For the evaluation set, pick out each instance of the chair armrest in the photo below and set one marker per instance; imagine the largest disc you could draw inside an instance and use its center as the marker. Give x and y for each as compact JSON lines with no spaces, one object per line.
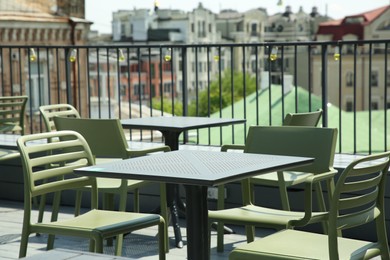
{"x":226,"y":147}
{"x":142,"y":152}
{"x":308,"y":200}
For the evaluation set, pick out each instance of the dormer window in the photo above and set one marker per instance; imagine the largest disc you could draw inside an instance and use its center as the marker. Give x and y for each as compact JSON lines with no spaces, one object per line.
{"x":354,"y":20}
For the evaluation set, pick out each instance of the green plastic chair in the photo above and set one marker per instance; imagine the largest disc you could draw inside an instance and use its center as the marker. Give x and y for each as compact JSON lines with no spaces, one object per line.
{"x":48,"y":168}
{"x":287,"y":178}
{"x":357,"y":200}
{"x":107,"y":140}
{"x":48,"y":112}
{"x":12,"y":112}
{"x":318,"y":143}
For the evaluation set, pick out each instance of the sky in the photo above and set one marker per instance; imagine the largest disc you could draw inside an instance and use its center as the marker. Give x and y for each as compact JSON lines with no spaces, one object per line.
{"x":100,"y":11}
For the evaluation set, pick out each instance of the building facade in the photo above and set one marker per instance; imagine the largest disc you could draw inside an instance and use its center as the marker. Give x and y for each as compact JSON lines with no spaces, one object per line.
{"x":368,"y":60}
{"x":33,"y":24}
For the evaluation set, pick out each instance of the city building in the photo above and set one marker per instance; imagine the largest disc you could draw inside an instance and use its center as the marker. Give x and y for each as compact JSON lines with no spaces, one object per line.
{"x":25,"y":24}
{"x":368,"y":60}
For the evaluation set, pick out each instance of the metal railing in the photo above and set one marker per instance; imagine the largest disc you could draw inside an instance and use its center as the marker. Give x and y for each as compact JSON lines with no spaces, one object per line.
{"x":260,"y":82}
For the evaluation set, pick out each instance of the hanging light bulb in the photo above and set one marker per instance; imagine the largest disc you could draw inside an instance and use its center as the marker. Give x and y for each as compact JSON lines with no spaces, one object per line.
{"x":274,"y":54}
{"x":72,"y":57}
{"x":156,"y":5}
{"x":216,"y":56}
{"x":33,"y":56}
{"x":167,"y":56}
{"x":336,"y":54}
{"x":121,"y":56}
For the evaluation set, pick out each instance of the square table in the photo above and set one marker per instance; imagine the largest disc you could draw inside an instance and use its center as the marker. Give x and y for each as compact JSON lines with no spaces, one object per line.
{"x":171,"y":128}
{"x":196,"y":170}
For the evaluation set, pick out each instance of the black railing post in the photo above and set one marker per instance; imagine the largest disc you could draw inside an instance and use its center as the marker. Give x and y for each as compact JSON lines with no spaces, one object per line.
{"x":185,"y":89}
{"x":68,"y":76}
{"x":184,"y":76}
{"x":324,"y":84}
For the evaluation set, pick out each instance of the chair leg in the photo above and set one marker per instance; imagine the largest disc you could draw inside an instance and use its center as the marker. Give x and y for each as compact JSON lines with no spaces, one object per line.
{"x":283,"y":192}
{"x":321,"y":204}
{"x":164,"y":213}
{"x":250,"y":233}
{"x":54,"y":217}
{"x":118,"y":245}
{"x":77,"y":205}
{"x":220,"y":225}
{"x":23,"y":244}
{"x":136,"y":200}
{"x":162,"y":242}
{"x":108,"y":204}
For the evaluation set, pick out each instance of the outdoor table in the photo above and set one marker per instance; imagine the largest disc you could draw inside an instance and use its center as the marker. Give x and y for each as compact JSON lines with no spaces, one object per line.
{"x":196,"y":170}
{"x":171,"y":128}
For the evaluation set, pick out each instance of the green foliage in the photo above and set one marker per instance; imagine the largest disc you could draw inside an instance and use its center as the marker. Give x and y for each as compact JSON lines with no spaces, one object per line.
{"x":220,"y":94}
{"x":167,"y":106}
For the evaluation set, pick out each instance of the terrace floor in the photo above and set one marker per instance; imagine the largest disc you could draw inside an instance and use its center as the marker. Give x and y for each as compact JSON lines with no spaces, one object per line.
{"x":139,"y":245}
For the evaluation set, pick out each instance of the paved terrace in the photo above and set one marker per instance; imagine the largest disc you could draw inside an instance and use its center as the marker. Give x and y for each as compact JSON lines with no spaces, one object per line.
{"x":140,"y":245}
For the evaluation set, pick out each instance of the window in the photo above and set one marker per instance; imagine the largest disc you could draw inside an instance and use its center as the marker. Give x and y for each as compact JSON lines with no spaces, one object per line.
{"x":253,"y":29}
{"x":349,"y":106}
{"x":374,"y":105}
{"x":349,"y":79}
{"x":180,"y":65}
{"x":200,"y":67}
{"x":167,"y":87}
{"x":192,"y":27}
{"x":152,"y":70}
{"x":210,"y":27}
{"x":139,"y":91}
{"x":39,"y":95}
{"x":374,"y":78}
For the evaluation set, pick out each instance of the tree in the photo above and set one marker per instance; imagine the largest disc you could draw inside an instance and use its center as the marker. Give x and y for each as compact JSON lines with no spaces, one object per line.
{"x":221,"y":94}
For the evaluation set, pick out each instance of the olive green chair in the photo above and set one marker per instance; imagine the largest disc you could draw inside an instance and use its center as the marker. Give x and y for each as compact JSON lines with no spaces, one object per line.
{"x":285,"y":179}
{"x":48,"y":112}
{"x":48,"y":168}
{"x":318,"y":143}
{"x":12,"y":112}
{"x":107,"y":142}
{"x":357,"y":200}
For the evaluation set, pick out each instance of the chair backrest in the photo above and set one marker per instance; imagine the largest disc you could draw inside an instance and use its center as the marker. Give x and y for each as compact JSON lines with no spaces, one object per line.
{"x":359,"y":198}
{"x":48,"y":112}
{"x":303,"y":119}
{"x":104,"y":136}
{"x":12,"y":111}
{"x":48,"y":166}
{"x":315,"y":142}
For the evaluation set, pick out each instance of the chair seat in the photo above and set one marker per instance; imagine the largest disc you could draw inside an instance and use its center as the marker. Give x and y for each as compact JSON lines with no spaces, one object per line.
{"x":109,"y":183}
{"x":294,"y":244}
{"x":103,"y":221}
{"x":7,"y":154}
{"x":253,"y":215}
{"x":290,"y":178}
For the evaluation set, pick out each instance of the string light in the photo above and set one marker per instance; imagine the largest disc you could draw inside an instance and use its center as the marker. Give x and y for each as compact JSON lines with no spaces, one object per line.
{"x":72,"y":57}
{"x":167,"y":56}
{"x":274,"y":54}
{"x":336,"y":54}
{"x":33,"y":56}
{"x":121,"y":56}
{"x":216,"y":55}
